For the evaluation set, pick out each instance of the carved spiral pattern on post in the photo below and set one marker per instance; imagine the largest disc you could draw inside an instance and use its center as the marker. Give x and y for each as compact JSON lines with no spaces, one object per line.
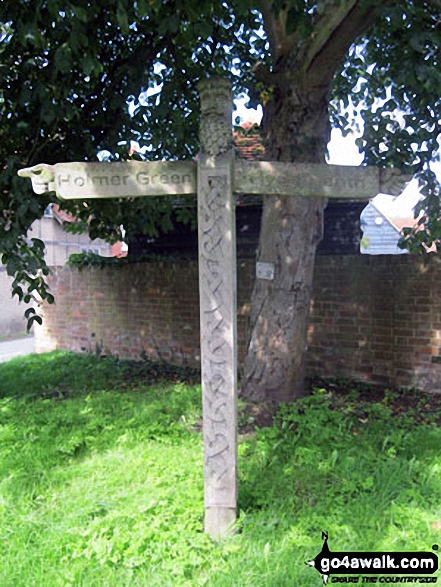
{"x":217,"y":354}
{"x":214,"y":137}
{"x":215,"y":127}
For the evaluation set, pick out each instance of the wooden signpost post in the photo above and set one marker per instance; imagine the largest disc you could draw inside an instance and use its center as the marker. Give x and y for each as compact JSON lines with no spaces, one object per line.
{"x":215,"y":178}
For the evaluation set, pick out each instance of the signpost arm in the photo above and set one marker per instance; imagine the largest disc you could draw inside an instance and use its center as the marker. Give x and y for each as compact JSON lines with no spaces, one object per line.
{"x":217,"y":287}
{"x":217,"y":255}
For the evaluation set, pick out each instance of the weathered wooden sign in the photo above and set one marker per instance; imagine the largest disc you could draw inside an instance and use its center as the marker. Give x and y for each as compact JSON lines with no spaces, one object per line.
{"x":285,"y":179}
{"x":215,"y":178}
{"x":73,"y":181}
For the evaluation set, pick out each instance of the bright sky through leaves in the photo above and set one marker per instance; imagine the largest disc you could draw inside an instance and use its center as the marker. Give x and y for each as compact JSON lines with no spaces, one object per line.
{"x":343,"y":151}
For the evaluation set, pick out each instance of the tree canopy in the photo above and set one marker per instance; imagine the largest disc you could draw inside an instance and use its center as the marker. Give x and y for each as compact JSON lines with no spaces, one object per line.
{"x":79,"y":79}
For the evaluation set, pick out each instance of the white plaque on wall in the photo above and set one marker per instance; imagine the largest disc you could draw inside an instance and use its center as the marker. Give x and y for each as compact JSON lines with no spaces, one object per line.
{"x":265,"y":271}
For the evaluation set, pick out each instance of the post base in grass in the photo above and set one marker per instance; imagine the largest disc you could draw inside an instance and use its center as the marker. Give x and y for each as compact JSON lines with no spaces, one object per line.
{"x":219,"y":522}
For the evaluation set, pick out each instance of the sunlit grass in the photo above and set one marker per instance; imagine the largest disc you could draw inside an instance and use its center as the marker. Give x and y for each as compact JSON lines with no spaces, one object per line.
{"x":101,"y":482}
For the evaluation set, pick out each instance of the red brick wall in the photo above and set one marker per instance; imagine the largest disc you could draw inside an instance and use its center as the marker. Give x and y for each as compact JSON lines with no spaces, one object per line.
{"x":377,"y":319}
{"x":372,"y":318}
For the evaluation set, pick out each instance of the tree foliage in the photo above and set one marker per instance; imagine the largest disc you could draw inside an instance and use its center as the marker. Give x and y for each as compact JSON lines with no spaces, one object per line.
{"x":393,"y":76}
{"x":76,"y":81}
{"x":79,"y":79}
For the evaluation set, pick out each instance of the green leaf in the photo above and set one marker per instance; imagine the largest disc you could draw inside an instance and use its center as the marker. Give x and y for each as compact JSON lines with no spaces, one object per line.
{"x":78,"y":39}
{"x":31,"y":321}
{"x":17,"y":291}
{"x":80,"y":13}
{"x":203,"y":29}
{"x":122,"y":18}
{"x":29,"y":312}
{"x":63,"y":58}
{"x":143,"y":7}
{"x":91,"y":65}
{"x":38,"y":244}
{"x":293,"y":19}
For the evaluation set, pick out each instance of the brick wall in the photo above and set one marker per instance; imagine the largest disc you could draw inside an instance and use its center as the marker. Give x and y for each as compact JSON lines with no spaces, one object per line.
{"x":372,"y":318}
{"x":378,"y":319}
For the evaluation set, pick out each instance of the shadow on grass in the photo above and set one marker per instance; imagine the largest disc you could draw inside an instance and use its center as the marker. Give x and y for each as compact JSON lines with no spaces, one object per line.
{"x":62,"y":374}
{"x":120,"y":447}
{"x":320,"y":467}
{"x":61,"y":406}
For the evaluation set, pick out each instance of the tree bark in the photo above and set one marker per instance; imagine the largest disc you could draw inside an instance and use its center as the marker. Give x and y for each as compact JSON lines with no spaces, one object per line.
{"x":296,"y":128}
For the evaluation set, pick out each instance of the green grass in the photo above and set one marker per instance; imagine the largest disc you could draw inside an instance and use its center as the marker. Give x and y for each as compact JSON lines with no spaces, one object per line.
{"x":101,"y":479}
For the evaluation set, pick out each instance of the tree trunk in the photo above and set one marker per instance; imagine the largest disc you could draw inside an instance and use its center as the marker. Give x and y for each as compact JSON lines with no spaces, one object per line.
{"x":296,"y":128}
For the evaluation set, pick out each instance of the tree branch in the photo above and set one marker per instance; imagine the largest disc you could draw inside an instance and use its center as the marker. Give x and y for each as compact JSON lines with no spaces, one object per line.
{"x":269,"y":25}
{"x":335,"y":32}
{"x":275,"y":28}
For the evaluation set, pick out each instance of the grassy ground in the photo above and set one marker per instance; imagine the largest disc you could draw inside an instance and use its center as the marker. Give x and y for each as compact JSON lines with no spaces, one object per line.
{"x":101,"y":478}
